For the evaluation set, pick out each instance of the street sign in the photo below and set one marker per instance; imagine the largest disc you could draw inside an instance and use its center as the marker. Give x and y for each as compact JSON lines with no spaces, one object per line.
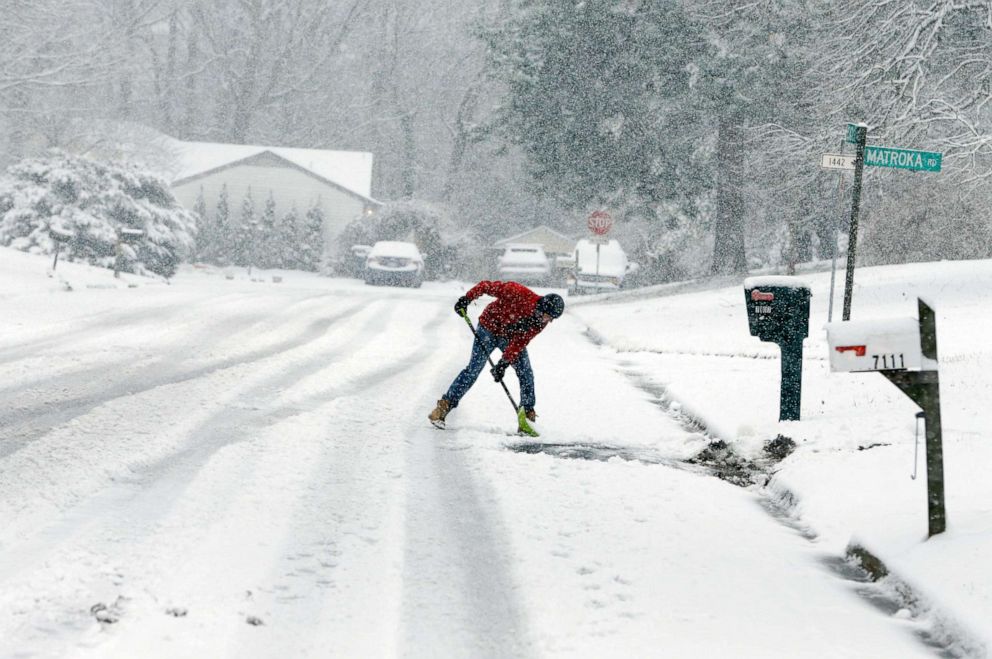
{"x":919,"y":161}
{"x":599,"y":222}
{"x":837,"y":161}
{"x":853,"y":131}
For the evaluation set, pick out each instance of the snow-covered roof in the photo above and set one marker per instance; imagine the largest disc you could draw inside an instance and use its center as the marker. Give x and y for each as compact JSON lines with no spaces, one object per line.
{"x":351,"y":170}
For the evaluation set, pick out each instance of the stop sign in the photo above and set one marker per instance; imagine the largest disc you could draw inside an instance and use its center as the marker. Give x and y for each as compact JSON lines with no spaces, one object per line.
{"x":600,"y":222}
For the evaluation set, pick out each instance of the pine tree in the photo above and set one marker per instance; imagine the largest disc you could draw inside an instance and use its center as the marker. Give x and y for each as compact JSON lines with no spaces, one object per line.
{"x":266,"y":248}
{"x":205,"y":233}
{"x":311,"y":243}
{"x":222,"y":244}
{"x":596,"y":99}
{"x":287,"y":241}
{"x":244,"y":235}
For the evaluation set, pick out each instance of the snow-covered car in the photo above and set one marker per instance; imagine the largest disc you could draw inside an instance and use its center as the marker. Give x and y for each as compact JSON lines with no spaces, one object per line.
{"x":599,"y":267}
{"x":525,"y":263}
{"x":394,"y":263}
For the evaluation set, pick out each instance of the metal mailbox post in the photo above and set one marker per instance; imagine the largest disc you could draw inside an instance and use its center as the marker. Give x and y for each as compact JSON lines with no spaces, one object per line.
{"x":904,"y":350}
{"x":59,"y":236}
{"x":778,"y":311}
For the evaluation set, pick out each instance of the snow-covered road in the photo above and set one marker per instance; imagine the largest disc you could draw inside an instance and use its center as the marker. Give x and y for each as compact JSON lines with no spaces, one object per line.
{"x":223,"y":468}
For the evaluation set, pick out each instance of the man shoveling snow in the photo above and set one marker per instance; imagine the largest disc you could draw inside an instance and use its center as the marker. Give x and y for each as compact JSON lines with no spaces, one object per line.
{"x":509,"y":323}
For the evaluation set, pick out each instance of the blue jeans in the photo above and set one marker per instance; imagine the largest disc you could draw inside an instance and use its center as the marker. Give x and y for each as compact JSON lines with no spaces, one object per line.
{"x":485,"y":343}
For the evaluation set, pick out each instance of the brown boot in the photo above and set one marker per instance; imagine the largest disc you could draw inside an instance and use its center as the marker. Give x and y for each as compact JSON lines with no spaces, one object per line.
{"x":439,"y":413}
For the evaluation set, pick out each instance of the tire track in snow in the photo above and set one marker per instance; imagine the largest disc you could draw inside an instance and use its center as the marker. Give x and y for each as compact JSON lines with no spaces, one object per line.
{"x":241,"y":422}
{"x":459,"y":597}
{"x":103,"y":321}
{"x":453,"y":531}
{"x":162,"y":480}
{"x":336,"y":573}
{"x":22,"y":424}
{"x":131,"y":512}
{"x":97,"y":325}
{"x":235,"y":425}
{"x":148,"y":492}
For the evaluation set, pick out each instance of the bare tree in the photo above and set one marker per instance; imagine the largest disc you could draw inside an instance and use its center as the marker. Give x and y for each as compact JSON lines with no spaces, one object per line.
{"x":266,"y":52}
{"x":917,"y":71}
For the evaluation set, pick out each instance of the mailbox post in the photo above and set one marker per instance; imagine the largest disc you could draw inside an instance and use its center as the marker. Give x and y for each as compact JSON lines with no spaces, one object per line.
{"x":778,"y":311}
{"x":904,"y":350}
{"x":59,"y":236}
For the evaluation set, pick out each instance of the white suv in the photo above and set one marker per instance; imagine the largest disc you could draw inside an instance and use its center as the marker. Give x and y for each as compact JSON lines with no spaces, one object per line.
{"x":525,"y":264}
{"x":394,"y":263}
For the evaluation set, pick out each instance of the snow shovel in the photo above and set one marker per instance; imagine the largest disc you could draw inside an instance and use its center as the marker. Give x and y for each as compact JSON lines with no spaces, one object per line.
{"x":523,"y":426}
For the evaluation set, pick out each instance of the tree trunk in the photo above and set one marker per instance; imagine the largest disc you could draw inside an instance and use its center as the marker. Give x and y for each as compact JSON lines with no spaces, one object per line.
{"x":125,"y":99}
{"x":18,"y":121}
{"x":804,"y":227}
{"x":728,"y":245}
{"x":191,"y":99}
{"x":460,"y":143}
{"x":409,"y":166}
{"x":168,"y":87}
{"x":246,"y":85}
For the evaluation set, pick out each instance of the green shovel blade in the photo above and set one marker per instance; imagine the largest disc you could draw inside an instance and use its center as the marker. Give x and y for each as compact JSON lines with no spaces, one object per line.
{"x":523,"y":426}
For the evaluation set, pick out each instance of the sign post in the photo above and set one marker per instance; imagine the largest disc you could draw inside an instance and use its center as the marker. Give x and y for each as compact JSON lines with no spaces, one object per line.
{"x":59,"y":236}
{"x":860,"y":133}
{"x":599,"y":223}
{"x":843,"y":162}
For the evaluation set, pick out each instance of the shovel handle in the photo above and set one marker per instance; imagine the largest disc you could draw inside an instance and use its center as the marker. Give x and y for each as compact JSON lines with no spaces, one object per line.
{"x":464,"y":314}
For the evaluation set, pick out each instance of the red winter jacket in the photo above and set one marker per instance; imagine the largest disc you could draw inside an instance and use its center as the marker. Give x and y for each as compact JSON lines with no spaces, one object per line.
{"x":508,"y":317}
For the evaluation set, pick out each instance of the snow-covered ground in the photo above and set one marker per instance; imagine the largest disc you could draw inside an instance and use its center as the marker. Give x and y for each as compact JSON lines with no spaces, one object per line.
{"x":849,"y":480}
{"x":224,"y":467}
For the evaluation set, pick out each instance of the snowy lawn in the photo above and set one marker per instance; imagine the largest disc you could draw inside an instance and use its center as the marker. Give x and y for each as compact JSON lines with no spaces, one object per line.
{"x":851,"y":472}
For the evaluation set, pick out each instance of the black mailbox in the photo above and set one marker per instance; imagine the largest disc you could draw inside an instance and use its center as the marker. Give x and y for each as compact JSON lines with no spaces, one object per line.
{"x":775,"y":312}
{"x":778,"y":311}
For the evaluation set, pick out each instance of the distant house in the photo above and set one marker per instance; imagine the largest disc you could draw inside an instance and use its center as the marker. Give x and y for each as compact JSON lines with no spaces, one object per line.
{"x":339,"y":181}
{"x":555,"y":244}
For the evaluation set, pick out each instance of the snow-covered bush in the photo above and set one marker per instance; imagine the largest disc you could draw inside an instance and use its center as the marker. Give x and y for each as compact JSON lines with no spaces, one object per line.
{"x":668,"y":244}
{"x":93,"y":201}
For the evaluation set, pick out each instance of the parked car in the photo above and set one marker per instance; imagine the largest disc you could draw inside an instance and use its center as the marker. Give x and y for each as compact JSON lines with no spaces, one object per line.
{"x":394,"y":263}
{"x":525,"y":263}
{"x":598,"y":272}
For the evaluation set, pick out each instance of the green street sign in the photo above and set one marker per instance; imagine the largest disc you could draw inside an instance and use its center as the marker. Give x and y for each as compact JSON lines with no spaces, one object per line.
{"x":852,"y":132}
{"x":918,"y":161}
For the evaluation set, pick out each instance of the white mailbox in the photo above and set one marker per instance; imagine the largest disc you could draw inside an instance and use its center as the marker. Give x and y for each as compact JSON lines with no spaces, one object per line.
{"x":877,"y":345}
